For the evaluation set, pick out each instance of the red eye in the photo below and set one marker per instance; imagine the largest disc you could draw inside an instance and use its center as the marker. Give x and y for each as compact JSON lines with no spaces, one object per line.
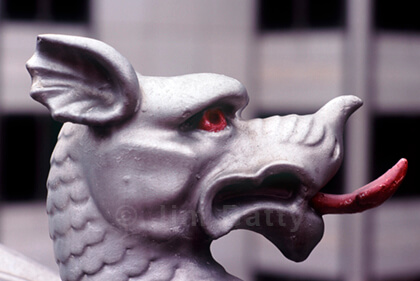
{"x":213,"y":120}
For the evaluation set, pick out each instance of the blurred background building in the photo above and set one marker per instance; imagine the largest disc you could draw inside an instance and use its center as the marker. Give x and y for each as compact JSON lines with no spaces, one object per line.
{"x":293,"y":56}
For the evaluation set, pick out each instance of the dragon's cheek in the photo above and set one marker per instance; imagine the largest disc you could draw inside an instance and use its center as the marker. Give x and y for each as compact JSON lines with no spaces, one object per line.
{"x":127,"y":188}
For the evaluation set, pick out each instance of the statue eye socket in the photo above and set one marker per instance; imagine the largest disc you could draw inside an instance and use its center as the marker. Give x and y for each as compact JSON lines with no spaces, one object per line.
{"x":213,"y":120}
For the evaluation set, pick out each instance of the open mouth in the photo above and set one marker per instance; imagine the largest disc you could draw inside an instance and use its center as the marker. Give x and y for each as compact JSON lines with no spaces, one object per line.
{"x":281,"y":189}
{"x":275,"y":188}
{"x":274,"y":191}
{"x":281,"y":204}
{"x":272,"y":202}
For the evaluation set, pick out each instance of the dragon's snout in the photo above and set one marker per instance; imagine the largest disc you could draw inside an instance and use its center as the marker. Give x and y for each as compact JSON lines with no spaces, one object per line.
{"x":281,"y":198}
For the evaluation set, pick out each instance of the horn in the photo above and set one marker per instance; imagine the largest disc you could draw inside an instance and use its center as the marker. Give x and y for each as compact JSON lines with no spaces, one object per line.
{"x":338,"y":110}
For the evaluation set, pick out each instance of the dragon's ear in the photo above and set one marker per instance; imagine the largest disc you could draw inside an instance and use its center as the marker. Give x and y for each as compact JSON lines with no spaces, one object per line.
{"x":83,"y":80}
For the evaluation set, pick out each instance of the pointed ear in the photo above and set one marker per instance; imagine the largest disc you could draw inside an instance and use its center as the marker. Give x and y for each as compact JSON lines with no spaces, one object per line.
{"x":83,"y":80}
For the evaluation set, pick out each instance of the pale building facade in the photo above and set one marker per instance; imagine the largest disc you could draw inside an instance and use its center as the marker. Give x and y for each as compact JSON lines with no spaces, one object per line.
{"x":291,"y":62}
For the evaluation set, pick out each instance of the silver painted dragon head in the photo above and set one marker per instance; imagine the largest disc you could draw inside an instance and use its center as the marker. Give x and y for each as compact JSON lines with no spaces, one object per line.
{"x":148,"y":171}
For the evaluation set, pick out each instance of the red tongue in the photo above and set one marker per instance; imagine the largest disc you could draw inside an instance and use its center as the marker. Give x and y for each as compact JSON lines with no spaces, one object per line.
{"x":366,"y":197}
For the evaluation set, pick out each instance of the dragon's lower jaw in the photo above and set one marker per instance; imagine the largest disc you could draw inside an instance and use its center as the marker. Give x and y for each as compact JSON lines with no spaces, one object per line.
{"x":366,"y":197}
{"x":295,"y":231}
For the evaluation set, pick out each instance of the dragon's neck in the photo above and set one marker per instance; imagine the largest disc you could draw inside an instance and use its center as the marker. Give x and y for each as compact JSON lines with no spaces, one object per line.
{"x":98,"y":251}
{"x":180,"y":260}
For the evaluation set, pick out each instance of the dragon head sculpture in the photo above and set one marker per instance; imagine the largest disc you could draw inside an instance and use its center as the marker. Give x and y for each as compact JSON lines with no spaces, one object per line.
{"x":148,"y":171}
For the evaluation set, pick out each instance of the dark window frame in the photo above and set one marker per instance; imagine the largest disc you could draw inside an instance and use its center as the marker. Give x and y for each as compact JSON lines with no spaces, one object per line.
{"x":27,"y":142}
{"x":300,"y":15}
{"x":390,"y":16}
{"x":57,"y":11}
{"x":395,"y":136}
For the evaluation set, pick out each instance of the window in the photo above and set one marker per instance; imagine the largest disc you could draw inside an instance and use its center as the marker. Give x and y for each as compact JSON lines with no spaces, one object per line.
{"x":397,"y":15}
{"x":26,"y":146}
{"x":70,"y":11}
{"x":300,"y":14}
{"x":396,"y":137}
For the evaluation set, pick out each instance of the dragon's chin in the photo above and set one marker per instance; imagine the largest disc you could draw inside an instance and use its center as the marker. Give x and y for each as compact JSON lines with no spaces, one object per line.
{"x":295,"y":229}
{"x":296,"y":241}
